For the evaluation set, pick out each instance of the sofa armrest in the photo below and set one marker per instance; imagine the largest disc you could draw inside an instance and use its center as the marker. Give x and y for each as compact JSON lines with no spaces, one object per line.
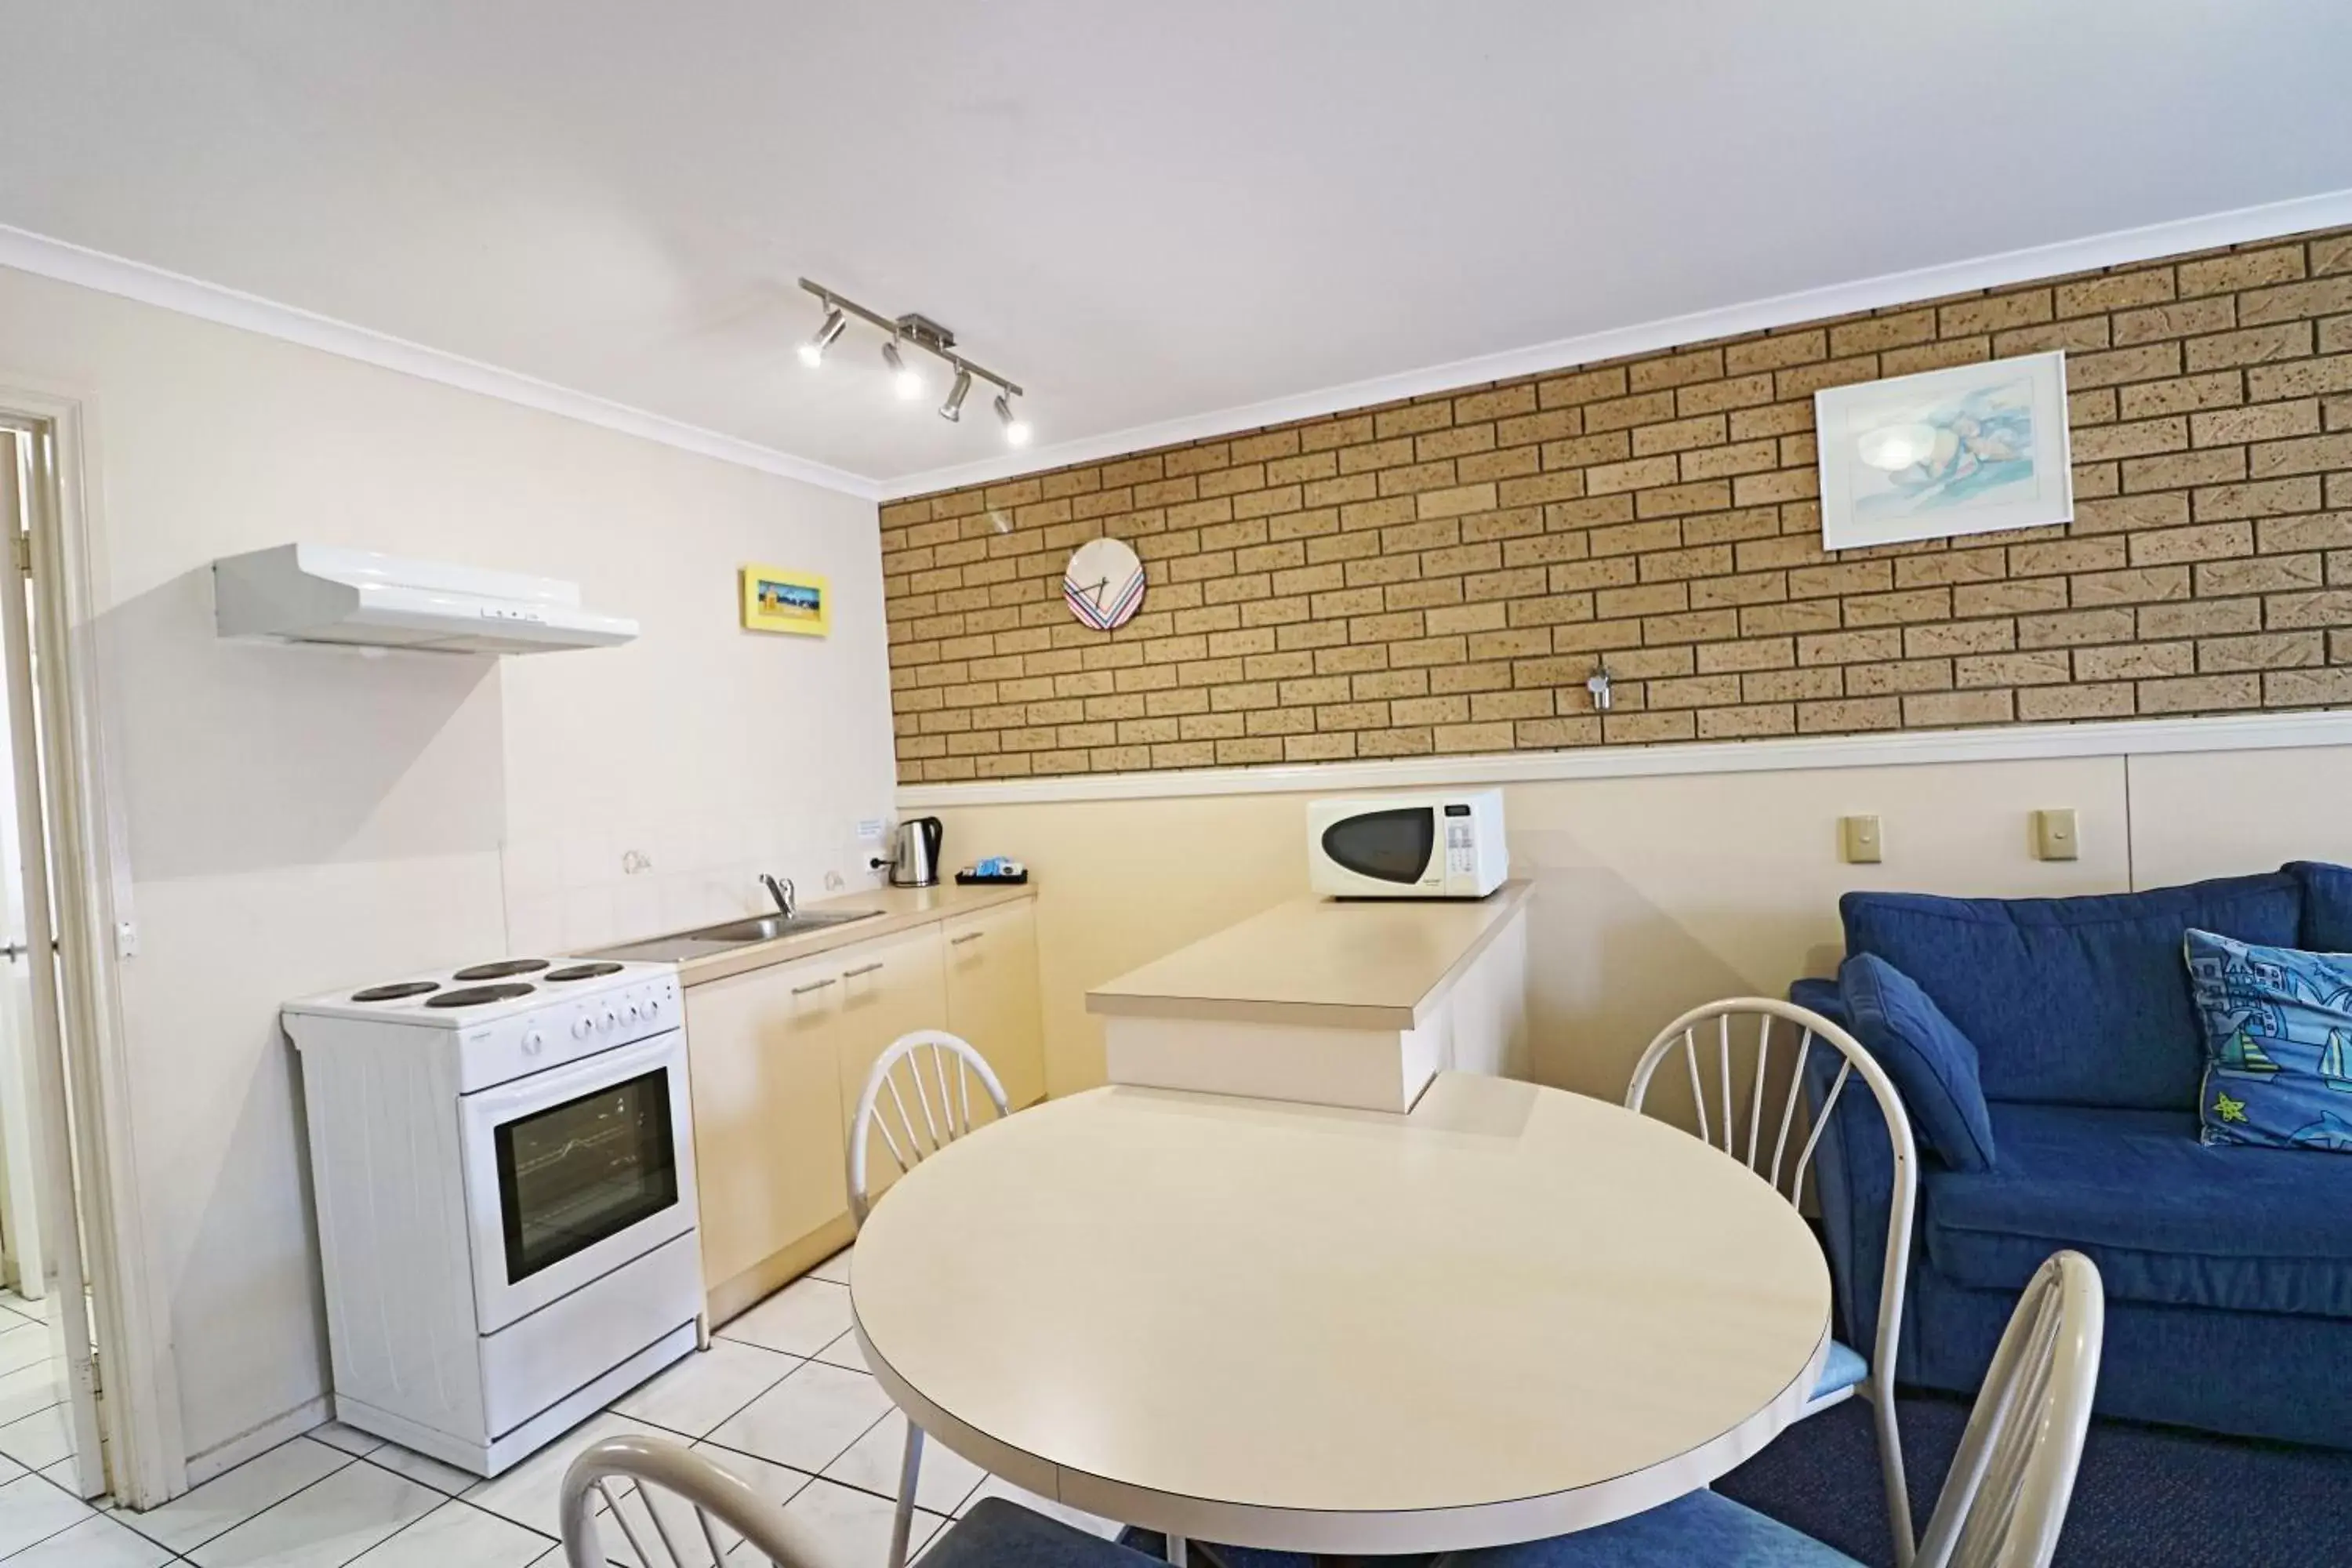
{"x":1853,"y":1178}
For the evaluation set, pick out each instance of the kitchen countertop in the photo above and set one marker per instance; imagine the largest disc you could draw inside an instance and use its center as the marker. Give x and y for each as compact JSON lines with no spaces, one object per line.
{"x":902,"y":909}
{"x":1357,"y":964}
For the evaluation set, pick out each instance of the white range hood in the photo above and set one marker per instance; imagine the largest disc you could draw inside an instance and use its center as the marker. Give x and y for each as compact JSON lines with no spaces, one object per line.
{"x":316,"y":593}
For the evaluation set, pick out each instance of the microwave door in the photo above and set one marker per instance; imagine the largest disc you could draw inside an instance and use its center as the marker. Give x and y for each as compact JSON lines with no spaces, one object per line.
{"x":1395,"y":847}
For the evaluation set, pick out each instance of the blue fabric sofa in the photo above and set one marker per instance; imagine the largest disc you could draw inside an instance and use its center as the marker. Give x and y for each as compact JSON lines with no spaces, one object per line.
{"x":2229,"y":1270}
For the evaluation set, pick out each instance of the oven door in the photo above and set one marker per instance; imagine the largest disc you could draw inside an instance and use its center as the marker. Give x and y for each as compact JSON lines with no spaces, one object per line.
{"x":1378,"y":851}
{"x":571,"y":1173}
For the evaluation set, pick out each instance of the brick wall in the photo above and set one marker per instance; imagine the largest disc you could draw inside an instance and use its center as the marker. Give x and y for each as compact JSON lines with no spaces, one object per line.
{"x":1440,"y":575}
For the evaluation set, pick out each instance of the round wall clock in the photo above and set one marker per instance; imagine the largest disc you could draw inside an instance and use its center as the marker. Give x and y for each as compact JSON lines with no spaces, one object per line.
{"x":1103,"y":584}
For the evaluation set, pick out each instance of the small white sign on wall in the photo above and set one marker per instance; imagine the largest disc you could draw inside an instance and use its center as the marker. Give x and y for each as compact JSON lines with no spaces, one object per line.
{"x":1966,"y":450}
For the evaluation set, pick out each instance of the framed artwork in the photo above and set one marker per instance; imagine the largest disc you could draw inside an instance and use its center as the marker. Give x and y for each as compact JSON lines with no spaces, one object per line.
{"x":775,"y":600}
{"x":1965,"y":450}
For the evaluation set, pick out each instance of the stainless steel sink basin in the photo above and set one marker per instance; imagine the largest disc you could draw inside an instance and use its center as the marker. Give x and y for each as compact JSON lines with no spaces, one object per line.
{"x":768,"y":928}
{"x":705,"y":940}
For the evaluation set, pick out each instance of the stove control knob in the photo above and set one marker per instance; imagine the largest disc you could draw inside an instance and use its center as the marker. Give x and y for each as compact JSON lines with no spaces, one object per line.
{"x":630,"y":1012}
{"x":608,"y":1020}
{"x":581,"y":1026}
{"x":653,"y":1005}
{"x":533,"y":1042}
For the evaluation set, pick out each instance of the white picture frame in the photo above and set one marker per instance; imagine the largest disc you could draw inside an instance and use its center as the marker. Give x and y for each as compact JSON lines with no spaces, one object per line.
{"x":1971,"y":449}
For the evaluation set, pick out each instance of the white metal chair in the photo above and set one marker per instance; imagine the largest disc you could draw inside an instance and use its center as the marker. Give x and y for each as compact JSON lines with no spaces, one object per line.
{"x":2004,"y":1502}
{"x":673,"y":1508}
{"x":1845,"y":1372}
{"x":936,"y":1069}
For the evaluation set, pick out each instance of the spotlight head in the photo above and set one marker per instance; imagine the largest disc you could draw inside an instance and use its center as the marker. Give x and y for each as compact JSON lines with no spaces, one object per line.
{"x":905,"y":379}
{"x":1017,"y":430}
{"x":812,"y":350}
{"x":952,"y":409}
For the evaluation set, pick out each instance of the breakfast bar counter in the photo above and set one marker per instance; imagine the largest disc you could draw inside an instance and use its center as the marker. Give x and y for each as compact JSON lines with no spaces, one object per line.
{"x":1353,"y":1003}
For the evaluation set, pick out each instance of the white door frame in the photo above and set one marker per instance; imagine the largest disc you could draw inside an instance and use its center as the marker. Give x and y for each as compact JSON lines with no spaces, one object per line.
{"x":139,"y":1413}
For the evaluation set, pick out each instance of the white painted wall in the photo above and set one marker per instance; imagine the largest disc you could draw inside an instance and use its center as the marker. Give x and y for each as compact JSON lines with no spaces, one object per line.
{"x":304,"y":818}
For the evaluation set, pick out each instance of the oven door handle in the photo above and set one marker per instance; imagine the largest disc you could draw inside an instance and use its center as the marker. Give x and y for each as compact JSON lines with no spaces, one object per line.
{"x":538,"y":1090}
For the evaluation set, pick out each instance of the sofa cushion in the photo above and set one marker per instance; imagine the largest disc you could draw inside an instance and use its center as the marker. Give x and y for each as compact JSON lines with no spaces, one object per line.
{"x":2278,"y":1044}
{"x":1934,"y":1066}
{"x":2326,"y":905}
{"x":2073,"y":1001}
{"x":2166,"y":1218}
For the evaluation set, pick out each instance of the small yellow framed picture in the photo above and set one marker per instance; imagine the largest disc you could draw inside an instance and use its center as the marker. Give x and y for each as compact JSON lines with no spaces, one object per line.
{"x":775,"y":600}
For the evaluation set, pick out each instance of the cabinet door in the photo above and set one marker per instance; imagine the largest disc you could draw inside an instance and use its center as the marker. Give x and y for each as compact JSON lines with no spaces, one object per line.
{"x":889,"y":987}
{"x":761,"y":1050}
{"x":993,"y":994}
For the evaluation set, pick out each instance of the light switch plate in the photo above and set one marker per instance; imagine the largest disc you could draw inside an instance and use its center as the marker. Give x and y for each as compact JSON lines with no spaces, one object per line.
{"x":1860,"y":838}
{"x":2056,"y":836}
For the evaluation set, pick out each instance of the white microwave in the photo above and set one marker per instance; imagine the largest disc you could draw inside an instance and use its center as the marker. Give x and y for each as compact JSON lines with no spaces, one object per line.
{"x":1408,"y":846}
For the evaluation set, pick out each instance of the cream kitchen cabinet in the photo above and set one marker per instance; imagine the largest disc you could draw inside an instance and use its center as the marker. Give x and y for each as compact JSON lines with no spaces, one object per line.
{"x":777,"y":1054}
{"x":764,"y":1057}
{"x":889,"y":987}
{"x":991,"y":994}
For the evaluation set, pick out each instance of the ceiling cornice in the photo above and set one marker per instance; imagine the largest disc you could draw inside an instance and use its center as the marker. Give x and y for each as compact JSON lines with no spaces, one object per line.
{"x":67,"y":263}
{"x":2238,"y":226}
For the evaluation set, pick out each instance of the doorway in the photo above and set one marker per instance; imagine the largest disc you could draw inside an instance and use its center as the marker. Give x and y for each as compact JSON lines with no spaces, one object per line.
{"x":50,"y":1332}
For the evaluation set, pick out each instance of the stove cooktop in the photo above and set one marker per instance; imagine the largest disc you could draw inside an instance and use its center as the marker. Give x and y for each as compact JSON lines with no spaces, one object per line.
{"x":501,"y":988}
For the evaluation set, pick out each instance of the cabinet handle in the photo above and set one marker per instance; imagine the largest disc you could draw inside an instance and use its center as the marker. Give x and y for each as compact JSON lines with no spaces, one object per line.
{"x":811,"y":986}
{"x":861,"y":969}
{"x":967,"y":936}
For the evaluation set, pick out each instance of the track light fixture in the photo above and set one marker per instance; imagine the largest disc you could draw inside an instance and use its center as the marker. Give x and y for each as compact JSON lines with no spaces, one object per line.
{"x":952,"y":409}
{"x":1016,"y":429}
{"x":812,"y":350}
{"x":913,"y":330}
{"x":905,"y":379}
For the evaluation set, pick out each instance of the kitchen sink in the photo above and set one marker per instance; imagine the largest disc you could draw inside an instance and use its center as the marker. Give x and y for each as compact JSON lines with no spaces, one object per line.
{"x":705,"y":940}
{"x":768,"y":928}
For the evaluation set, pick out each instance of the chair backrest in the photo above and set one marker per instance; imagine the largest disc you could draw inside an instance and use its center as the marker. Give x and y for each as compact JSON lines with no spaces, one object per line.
{"x":2005,"y":1498}
{"x":1720,"y":1030}
{"x":673,"y":1507}
{"x":935,"y":1070}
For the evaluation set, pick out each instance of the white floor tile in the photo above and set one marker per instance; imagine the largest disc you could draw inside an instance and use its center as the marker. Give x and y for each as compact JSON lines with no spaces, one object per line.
{"x":61,"y":1474}
{"x":38,"y":1439}
{"x":325,"y":1525}
{"x":801,"y":1319}
{"x":228,"y":1500}
{"x":457,"y":1535}
{"x":24,"y":1345}
{"x":830,"y":1526}
{"x":32,"y":1511}
{"x":707,"y":1387}
{"x":808,"y":1420}
{"x":95,"y":1543}
{"x":424,"y":1467}
{"x":28,"y":1389}
{"x":997,"y":1486}
{"x":835,"y":1268}
{"x":871,"y":1462}
{"x":531,"y":1493}
{"x":349,"y":1439}
{"x":844,"y":1352}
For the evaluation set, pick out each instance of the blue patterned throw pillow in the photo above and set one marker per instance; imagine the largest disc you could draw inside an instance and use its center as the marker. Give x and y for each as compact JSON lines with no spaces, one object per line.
{"x":2278,"y":1043}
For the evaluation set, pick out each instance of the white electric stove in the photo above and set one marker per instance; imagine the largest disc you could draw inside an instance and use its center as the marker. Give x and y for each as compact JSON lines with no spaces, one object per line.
{"x":504,"y":1168}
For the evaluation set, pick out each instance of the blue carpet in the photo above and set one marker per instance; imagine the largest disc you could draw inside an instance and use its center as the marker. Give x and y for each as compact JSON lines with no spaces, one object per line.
{"x":2147,"y":1497}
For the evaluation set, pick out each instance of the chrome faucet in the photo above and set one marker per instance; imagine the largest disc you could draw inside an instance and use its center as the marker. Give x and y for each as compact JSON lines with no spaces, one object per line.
{"x":781,"y":890}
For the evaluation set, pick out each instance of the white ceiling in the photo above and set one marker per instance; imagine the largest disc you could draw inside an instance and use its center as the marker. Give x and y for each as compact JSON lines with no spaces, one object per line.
{"x":1145,"y":213}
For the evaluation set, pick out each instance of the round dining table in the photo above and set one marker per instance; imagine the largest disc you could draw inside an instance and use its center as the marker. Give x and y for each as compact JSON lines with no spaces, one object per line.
{"x":1510,"y":1313}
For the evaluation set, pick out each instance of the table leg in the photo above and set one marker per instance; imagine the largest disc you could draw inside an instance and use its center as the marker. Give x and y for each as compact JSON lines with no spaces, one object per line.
{"x":1175,"y":1551}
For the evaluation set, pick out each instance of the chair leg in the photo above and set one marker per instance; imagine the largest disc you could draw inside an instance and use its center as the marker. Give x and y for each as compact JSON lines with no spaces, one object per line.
{"x":902,"y":1520}
{"x":1890,"y":1464}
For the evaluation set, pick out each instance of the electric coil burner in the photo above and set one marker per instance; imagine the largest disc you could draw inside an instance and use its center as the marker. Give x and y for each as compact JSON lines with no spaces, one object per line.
{"x":396,"y":992}
{"x":582,"y":972}
{"x":477,"y":995}
{"x":505,"y":968}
